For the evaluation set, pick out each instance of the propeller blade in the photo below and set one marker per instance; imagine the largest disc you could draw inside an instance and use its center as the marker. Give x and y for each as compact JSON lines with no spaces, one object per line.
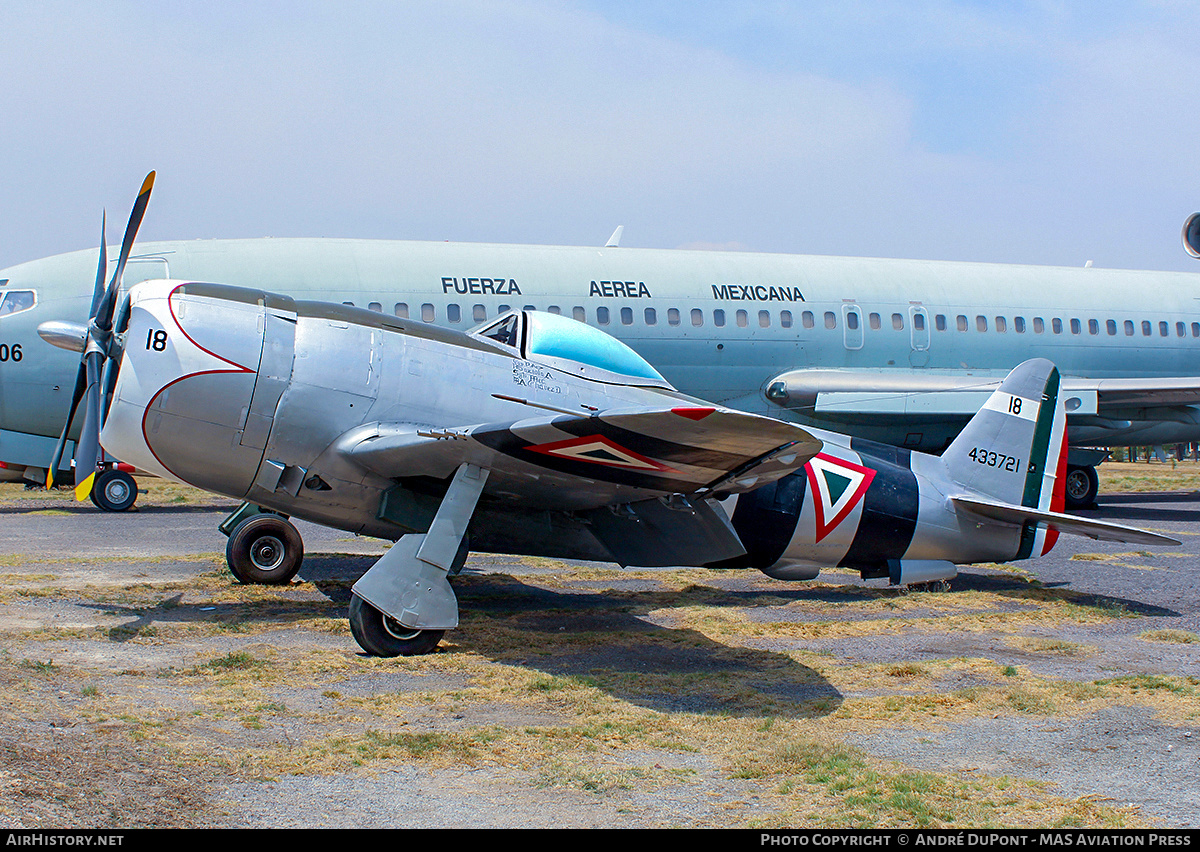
{"x":105,"y":312}
{"x":87,"y":451}
{"x":56,"y":459}
{"x":102,"y":268}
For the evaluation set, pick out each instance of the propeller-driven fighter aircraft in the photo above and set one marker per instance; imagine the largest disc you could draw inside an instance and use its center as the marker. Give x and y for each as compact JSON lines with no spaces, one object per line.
{"x":898,"y":351}
{"x":537,"y":434}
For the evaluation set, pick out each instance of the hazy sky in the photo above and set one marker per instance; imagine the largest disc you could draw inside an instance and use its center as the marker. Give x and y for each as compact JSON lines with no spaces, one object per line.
{"x":1039,"y":132}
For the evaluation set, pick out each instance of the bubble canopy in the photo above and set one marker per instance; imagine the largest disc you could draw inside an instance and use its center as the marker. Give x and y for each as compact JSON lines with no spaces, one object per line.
{"x":565,"y":344}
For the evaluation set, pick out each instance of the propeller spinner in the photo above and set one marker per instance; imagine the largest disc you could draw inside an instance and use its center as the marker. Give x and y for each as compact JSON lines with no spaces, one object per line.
{"x":97,"y":367}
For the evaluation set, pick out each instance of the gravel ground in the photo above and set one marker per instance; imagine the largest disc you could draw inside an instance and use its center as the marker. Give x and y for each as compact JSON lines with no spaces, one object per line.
{"x":111,"y":717}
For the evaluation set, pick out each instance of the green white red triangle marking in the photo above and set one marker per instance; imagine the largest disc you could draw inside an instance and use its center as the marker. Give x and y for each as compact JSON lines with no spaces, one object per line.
{"x":838,"y":486}
{"x":596,"y":449}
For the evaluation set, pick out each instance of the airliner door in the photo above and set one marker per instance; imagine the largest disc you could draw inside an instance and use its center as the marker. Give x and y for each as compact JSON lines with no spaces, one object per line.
{"x":852,"y":330}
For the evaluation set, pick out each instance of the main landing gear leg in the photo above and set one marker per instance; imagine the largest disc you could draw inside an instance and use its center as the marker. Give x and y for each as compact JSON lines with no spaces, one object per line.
{"x":404,"y":603}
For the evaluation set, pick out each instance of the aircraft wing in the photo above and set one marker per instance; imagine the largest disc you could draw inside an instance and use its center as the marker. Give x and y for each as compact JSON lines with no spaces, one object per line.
{"x":581,"y":462}
{"x":888,"y":393}
{"x":646,"y":481}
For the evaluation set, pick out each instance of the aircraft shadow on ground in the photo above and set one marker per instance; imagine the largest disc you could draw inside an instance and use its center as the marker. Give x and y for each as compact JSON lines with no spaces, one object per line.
{"x":1022,"y":590}
{"x":604,"y":639}
{"x":599,"y":638}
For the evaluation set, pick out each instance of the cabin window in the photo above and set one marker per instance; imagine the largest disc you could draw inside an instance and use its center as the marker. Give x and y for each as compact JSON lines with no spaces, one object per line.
{"x":719,"y":318}
{"x":764,"y":319}
{"x":1056,"y":325}
{"x":673,"y":316}
{"x":898,"y":322}
{"x":375,"y":306}
{"x":743,"y":319}
{"x":602,"y":315}
{"x":875,"y":321}
{"x":1093,"y":326}
{"x":427,"y":314}
{"x":697,"y":317}
{"x":939,"y":322}
{"x":479,"y":313}
{"x":1111,"y":327}
{"x":1019,"y":325}
{"x":401,"y":310}
{"x":579,"y":314}
{"x":626,"y":316}
{"x":1162,"y":329}
{"x":852,"y":320}
{"x":530,"y":308}
{"x":1129,"y":328}
{"x":453,"y":313}
{"x":807,"y":319}
{"x":1180,"y":330}
{"x":830,"y":319}
{"x":981,"y":323}
{"x":1001,"y":325}
{"x":961,"y":322}
{"x":785,"y":319}
{"x":1076,"y":326}
{"x":1039,"y":325}
{"x":350,"y":304}
{"x":1196,"y":329}
{"x":554,"y":309}
{"x":1145,"y":328}
{"x":651,"y":316}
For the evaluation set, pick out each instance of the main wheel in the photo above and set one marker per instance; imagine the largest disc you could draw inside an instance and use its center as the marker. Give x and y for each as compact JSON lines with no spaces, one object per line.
{"x":1082,"y":485}
{"x":264,"y":549}
{"x":114,"y":491}
{"x":383,"y":636}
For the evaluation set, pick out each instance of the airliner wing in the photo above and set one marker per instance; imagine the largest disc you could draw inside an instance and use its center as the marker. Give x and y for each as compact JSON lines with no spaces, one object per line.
{"x":889,"y":393}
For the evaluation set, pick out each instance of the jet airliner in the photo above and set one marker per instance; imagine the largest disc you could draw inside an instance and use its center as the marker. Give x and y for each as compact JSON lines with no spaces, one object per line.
{"x":896,"y":351}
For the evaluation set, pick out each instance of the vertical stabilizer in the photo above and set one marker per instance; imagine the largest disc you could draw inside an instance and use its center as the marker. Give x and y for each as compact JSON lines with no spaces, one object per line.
{"x":1010,"y":450}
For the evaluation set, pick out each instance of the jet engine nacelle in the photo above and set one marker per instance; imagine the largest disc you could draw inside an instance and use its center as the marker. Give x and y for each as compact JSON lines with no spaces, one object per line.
{"x":1191,"y":235}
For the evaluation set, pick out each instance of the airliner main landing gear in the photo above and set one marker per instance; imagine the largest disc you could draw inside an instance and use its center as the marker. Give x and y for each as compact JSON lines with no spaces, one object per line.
{"x":1082,"y":485}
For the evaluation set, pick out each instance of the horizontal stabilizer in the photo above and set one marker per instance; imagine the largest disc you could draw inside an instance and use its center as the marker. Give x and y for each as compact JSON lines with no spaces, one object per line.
{"x":1072,"y":524}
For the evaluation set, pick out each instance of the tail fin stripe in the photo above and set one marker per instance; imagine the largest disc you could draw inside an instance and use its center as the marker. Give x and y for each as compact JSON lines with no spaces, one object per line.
{"x":1041,"y":442}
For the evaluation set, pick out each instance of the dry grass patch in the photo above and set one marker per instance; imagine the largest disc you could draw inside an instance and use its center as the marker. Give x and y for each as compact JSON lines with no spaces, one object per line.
{"x":1045,"y":645}
{"x":1118,"y":477}
{"x":1178,"y":637}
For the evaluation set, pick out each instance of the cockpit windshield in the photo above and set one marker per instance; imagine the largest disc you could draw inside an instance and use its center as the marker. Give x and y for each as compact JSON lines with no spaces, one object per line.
{"x":15,"y":301}
{"x":571,"y":346}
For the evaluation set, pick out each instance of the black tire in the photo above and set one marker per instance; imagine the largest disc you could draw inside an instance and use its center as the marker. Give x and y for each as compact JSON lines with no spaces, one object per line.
{"x":265,"y":550}
{"x":382,"y":636}
{"x":1082,"y":485}
{"x":114,"y":491}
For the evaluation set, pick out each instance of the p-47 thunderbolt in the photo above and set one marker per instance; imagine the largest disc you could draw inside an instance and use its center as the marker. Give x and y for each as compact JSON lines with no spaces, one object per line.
{"x":535,"y":434}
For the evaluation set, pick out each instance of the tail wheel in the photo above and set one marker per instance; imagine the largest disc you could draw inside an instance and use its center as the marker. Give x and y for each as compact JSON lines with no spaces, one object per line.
{"x":114,"y":491}
{"x":264,"y":549}
{"x":383,"y":636}
{"x":1082,"y":485}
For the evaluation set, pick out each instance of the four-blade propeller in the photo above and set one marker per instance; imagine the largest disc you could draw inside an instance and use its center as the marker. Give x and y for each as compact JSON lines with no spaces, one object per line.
{"x":98,"y":368}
